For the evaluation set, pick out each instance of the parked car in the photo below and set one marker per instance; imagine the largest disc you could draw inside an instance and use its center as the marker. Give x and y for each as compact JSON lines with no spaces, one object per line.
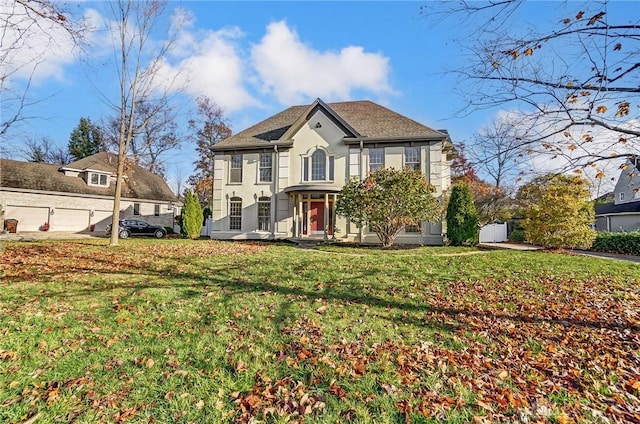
{"x":137,"y":227}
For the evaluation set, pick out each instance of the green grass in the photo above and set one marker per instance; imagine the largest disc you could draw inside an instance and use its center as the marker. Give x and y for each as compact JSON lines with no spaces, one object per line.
{"x":204,"y":331}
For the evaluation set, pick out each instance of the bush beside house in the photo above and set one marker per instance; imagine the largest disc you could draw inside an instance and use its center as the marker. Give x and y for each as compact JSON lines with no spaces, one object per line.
{"x":626,"y":243}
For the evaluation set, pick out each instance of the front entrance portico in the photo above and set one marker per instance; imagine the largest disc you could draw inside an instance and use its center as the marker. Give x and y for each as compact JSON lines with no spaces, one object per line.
{"x":313,"y":210}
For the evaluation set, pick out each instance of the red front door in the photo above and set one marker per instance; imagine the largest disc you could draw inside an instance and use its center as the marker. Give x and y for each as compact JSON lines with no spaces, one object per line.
{"x":316,"y":218}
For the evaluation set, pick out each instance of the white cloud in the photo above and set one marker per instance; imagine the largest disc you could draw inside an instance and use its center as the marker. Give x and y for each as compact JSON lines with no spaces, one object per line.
{"x":32,"y":47}
{"x":293,"y":71}
{"x":208,"y":63}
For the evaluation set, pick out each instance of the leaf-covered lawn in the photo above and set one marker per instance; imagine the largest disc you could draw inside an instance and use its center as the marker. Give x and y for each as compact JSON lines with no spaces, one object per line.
{"x":204,"y":331}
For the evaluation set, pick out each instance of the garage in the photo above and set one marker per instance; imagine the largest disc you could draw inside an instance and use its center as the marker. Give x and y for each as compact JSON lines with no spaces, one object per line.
{"x":101,"y":219}
{"x":29,"y":218}
{"x":70,"y":220}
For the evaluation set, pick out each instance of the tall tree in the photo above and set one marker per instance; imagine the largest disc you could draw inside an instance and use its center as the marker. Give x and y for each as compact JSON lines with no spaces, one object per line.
{"x":85,"y":140}
{"x":29,"y":27}
{"x":576,"y":83}
{"x":388,"y":200}
{"x":209,"y":127}
{"x":132,"y":26}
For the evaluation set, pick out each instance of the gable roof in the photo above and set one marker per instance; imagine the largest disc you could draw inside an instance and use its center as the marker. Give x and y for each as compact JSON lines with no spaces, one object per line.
{"x":360,"y":120}
{"x":138,"y":184}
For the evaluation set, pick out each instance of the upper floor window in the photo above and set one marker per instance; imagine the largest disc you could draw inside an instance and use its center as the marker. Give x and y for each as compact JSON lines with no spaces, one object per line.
{"x":235,"y":169}
{"x":318,"y":167}
{"x":376,"y":159}
{"x":235,"y":213}
{"x":98,"y":179}
{"x":266,"y":162}
{"x":412,"y":158}
{"x":264,"y":214}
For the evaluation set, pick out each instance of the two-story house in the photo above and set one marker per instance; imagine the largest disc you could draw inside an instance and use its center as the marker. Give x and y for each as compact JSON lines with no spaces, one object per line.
{"x":281,"y":177}
{"x":79,"y":196}
{"x":624,"y":213}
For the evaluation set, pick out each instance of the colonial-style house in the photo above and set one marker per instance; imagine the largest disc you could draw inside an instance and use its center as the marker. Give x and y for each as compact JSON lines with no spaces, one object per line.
{"x":79,"y":196}
{"x":280,"y":178}
{"x":624,"y":213}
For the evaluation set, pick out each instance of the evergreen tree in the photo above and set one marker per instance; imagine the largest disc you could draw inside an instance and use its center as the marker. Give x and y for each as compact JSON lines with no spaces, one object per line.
{"x":85,"y":140}
{"x":192,"y":216}
{"x":462,"y":217}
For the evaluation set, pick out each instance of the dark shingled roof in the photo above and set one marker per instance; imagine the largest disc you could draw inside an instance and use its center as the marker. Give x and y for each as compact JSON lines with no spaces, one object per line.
{"x":610,"y":208}
{"x":139,"y":184}
{"x":369,"y":119}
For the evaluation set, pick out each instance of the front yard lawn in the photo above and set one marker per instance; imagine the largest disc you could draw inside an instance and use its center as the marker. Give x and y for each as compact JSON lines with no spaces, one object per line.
{"x":202,"y":331}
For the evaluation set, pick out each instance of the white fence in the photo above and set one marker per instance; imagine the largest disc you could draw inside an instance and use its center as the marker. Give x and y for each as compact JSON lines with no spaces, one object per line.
{"x":493,"y":233}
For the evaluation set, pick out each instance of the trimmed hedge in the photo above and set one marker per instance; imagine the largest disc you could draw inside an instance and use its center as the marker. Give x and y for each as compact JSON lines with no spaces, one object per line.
{"x":627,"y":243}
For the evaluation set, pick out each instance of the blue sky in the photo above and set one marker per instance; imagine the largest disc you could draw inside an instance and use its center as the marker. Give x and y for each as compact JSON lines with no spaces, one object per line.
{"x":257,"y":58}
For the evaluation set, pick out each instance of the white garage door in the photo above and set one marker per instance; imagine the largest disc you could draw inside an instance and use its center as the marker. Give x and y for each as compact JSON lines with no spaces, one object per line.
{"x":70,"y":220}
{"x":101,"y":219}
{"x":29,"y":218}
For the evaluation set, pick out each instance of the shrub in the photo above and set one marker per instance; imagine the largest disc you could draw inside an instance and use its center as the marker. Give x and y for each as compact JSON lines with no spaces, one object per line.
{"x":557,"y":211}
{"x":627,"y":243}
{"x":462,"y":217}
{"x":517,"y":235}
{"x":192,"y":216}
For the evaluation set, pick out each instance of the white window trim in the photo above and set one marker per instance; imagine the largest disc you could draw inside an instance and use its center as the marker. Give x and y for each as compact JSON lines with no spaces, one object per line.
{"x":307,"y":177}
{"x":231,"y":168}
{"x":260,"y":168}
{"x":404,"y":157}
{"x":383,"y":158}
{"x":98,"y":174}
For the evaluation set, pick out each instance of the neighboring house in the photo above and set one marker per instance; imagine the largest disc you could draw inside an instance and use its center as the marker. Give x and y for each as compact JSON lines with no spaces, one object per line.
{"x":280,"y":178}
{"x":79,"y":196}
{"x":624,"y":213}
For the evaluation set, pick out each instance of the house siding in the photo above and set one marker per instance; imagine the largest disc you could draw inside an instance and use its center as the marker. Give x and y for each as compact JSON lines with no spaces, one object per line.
{"x":319,"y":131}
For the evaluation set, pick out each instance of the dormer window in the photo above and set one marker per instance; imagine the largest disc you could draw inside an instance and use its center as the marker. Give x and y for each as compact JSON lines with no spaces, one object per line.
{"x":100,"y":180}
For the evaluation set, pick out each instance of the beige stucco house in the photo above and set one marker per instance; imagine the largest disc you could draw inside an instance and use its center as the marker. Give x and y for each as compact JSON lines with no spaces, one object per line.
{"x":624,"y":213}
{"x":79,"y":196}
{"x":280,"y":178}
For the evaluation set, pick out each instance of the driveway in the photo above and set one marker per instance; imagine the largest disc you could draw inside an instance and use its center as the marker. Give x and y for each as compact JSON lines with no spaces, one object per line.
{"x":47,"y":235}
{"x":529,"y":247}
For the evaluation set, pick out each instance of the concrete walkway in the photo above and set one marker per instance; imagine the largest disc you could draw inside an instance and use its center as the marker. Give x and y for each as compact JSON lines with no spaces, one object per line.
{"x":530,"y":247}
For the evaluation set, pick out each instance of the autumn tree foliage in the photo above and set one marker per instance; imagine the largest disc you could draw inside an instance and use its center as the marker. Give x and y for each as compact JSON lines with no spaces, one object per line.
{"x":493,"y":203}
{"x":557,"y":211}
{"x":192,"y":216}
{"x":387,"y":200}
{"x":208,"y":127}
{"x":85,"y":140}
{"x":572,"y":80}
{"x":462,"y":217}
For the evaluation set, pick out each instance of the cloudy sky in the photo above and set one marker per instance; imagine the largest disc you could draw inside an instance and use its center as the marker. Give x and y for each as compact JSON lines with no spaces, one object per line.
{"x":257,"y":58}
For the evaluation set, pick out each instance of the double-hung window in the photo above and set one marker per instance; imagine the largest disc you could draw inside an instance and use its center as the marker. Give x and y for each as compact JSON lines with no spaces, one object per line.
{"x":376,"y":159}
{"x":412,"y":158}
{"x":235,"y":169}
{"x":264,"y":214}
{"x":318,"y":167}
{"x":235,"y":213}
{"x":266,"y":163}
